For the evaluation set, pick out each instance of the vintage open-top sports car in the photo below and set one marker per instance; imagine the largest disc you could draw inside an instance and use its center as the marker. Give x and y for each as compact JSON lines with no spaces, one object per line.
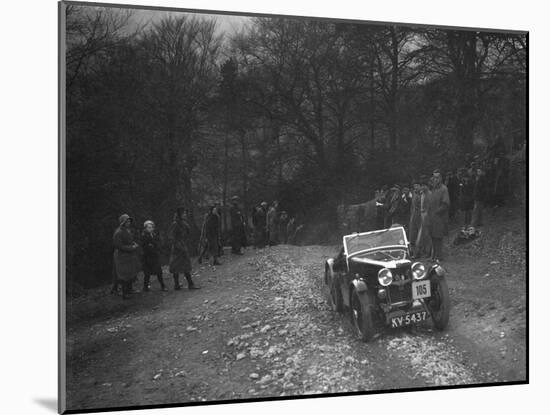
{"x":375,"y":279}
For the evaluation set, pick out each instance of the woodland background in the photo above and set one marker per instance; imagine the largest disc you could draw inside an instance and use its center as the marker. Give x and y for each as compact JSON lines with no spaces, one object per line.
{"x":310,"y":112}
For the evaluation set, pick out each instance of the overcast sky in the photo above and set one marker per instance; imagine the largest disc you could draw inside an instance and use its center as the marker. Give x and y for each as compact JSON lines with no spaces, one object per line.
{"x":226,"y":24}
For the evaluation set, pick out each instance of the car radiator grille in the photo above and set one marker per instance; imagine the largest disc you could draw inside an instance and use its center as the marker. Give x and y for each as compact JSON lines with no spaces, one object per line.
{"x":400,"y":293}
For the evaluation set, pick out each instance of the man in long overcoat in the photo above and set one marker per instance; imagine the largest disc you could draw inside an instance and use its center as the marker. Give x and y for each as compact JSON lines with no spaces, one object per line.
{"x":180,"y":261}
{"x":480,"y":196}
{"x":238,"y":235}
{"x":263,"y":220}
{"x":466,"y":197}
{"x":258,"y":226}
{"x":438,"y":211}
{"x":211,"y":235}
{"x":150,"y":260}
{"x":452,"y":183}
{"x":126,"y":260}
{"x":423,"y":240}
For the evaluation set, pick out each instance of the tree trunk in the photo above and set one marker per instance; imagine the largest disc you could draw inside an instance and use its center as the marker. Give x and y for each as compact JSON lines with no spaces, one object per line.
{"x":279,"y":158}
{"x":244,"y":170}
{"x":372,"y":109}
{"x":464,"y":47}
{"x":225,"y":180}
{"x":393,"y":89}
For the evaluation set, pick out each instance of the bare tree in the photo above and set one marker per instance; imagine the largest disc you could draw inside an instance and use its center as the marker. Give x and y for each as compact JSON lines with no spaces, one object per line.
{"x":307,"y":85}
{"x":182,"y":56}
{"x":91,"y":34}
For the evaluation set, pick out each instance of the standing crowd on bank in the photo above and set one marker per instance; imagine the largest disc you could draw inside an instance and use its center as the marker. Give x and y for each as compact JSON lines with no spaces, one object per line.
{"x":425,"y":207}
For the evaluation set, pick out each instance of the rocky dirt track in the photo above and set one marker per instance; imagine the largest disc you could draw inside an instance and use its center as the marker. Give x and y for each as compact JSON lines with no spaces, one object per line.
{"x":261,"y":327}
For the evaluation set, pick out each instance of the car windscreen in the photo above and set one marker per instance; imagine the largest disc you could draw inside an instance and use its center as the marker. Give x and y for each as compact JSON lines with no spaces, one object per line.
{"x":388,"y":237}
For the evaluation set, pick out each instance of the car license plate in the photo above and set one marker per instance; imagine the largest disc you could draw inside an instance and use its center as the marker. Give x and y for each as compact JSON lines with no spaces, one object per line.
{"x":408,"y":318}
{"x":420,"y":289}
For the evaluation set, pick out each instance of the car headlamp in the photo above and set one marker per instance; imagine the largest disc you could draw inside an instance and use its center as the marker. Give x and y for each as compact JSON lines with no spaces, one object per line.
{"x":385,"y":277}
{"x":418,"y":270}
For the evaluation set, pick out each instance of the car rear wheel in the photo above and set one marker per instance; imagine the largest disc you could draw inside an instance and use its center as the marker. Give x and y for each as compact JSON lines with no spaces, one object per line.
{"x":361,"y":315}
{"x":440,"y":303}
{"x":333,"y":293}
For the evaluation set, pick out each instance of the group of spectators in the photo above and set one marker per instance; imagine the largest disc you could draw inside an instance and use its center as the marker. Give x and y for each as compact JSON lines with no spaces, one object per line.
{"x":271,"y":226}
{"x":266,"y":226}
{"x":424,"y":209}
{"x":132,"y":252}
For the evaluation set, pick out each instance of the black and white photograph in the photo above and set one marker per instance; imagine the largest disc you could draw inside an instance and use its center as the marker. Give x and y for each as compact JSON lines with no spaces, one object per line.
{"x":265,"y":207}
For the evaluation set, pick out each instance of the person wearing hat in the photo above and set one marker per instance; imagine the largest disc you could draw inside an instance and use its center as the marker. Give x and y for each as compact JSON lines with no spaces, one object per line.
{"x":423,"y":244}
{"x":388,"y":198}
{"x":150,"y":260}
{"x":265,"y":208}
{"x":415,"y":218}
{"x":438,"y":212}
{"x":126,"y":261}
{"x":451,"y":181}
{"x":402,"y":214}
{"x":258,"y":223}
{"x":238,"y":236}
{"x":180,"y":261}
{"x":393,"y":205}
{"x":211,"y":235}
{"x":480,"y":196}
{"x":465,"y":196}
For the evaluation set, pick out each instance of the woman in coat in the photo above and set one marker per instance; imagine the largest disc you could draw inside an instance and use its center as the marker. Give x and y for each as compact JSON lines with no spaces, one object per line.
{"x":126,"y":261}
{"x":150,"y":243}
{"x":211,"y":235}
{"x":180,"y":261}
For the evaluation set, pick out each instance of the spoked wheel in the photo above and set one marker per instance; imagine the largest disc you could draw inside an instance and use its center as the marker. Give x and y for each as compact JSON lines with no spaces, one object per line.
{"x":440,"y":303}
{"x":361,"y":315}
{"x":333,"y":293}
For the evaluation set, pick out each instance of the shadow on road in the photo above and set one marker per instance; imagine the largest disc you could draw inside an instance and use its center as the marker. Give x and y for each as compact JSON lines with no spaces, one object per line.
{"x":48,"y":403}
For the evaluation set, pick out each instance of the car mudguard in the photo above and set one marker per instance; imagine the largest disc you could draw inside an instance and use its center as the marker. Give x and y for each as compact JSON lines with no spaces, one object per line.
{"x":359,"y":285}
{"x":436,"y":270}
{"x":329,"y":269}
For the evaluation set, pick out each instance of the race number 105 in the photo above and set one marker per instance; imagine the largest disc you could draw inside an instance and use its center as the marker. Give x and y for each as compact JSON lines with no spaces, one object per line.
{"x":420,"y":289}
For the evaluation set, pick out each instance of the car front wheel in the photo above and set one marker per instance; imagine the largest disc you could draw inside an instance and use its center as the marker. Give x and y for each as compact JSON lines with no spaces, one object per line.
{"x":361,"y":315}
{"x":440,"y":303}
{"x":333,"y":292}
